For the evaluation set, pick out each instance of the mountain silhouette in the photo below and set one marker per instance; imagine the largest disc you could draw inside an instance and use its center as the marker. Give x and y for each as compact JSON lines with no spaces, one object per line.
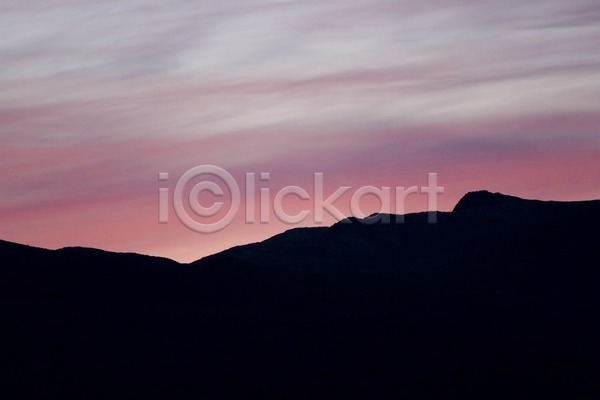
{"x":498,"y":299}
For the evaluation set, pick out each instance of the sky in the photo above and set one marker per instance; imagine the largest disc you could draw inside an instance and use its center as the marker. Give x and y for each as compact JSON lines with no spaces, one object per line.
{"x":98,"y":98}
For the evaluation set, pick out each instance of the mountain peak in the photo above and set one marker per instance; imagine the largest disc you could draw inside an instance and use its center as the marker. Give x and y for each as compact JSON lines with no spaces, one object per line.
{"x":484,"y":200}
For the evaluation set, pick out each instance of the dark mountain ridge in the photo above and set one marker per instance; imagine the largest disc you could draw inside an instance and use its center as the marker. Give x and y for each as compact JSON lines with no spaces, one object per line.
{"x":498,"y":299}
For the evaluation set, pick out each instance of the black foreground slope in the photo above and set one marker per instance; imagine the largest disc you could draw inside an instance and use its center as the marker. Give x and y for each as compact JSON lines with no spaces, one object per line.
{"x":499,"y":299}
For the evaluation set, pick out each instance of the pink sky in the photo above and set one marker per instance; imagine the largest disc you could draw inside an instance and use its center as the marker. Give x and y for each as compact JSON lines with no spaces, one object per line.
{"x":97,"y":98}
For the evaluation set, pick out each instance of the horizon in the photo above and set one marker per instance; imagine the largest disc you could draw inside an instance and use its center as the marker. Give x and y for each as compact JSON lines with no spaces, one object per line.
{"x":288,"y":229}
{"x":97,"y":100}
